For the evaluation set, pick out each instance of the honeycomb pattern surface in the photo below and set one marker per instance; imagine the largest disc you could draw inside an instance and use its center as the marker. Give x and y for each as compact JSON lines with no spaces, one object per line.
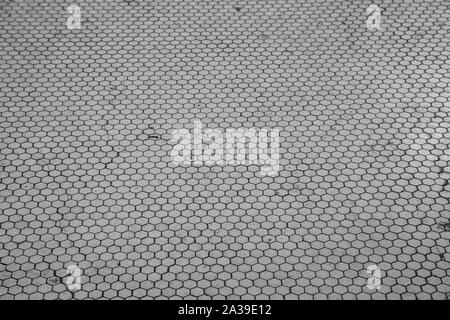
{"x":86,"y":176}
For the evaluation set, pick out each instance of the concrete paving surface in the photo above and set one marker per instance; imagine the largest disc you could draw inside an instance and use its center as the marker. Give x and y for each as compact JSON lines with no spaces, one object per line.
{"x":359,"y":208}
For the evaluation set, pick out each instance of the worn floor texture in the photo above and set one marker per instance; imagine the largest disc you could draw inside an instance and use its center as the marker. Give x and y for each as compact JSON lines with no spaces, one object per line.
{"x":86,"y":176}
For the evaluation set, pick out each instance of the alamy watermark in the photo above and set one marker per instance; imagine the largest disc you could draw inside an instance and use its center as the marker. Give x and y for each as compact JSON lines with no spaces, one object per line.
{"x":74,"y":280}
{"x":374,"y":20}
{"x":374,"y":281}
{"x":74,"y":19}
{"x":243,"y":146}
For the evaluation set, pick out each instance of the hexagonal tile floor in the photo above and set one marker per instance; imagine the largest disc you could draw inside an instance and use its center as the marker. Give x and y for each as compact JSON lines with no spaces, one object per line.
{"x":87,"y":177}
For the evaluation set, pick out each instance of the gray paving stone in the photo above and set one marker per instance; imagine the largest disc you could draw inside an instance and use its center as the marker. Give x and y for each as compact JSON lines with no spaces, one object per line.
{"x":86,"y":176}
